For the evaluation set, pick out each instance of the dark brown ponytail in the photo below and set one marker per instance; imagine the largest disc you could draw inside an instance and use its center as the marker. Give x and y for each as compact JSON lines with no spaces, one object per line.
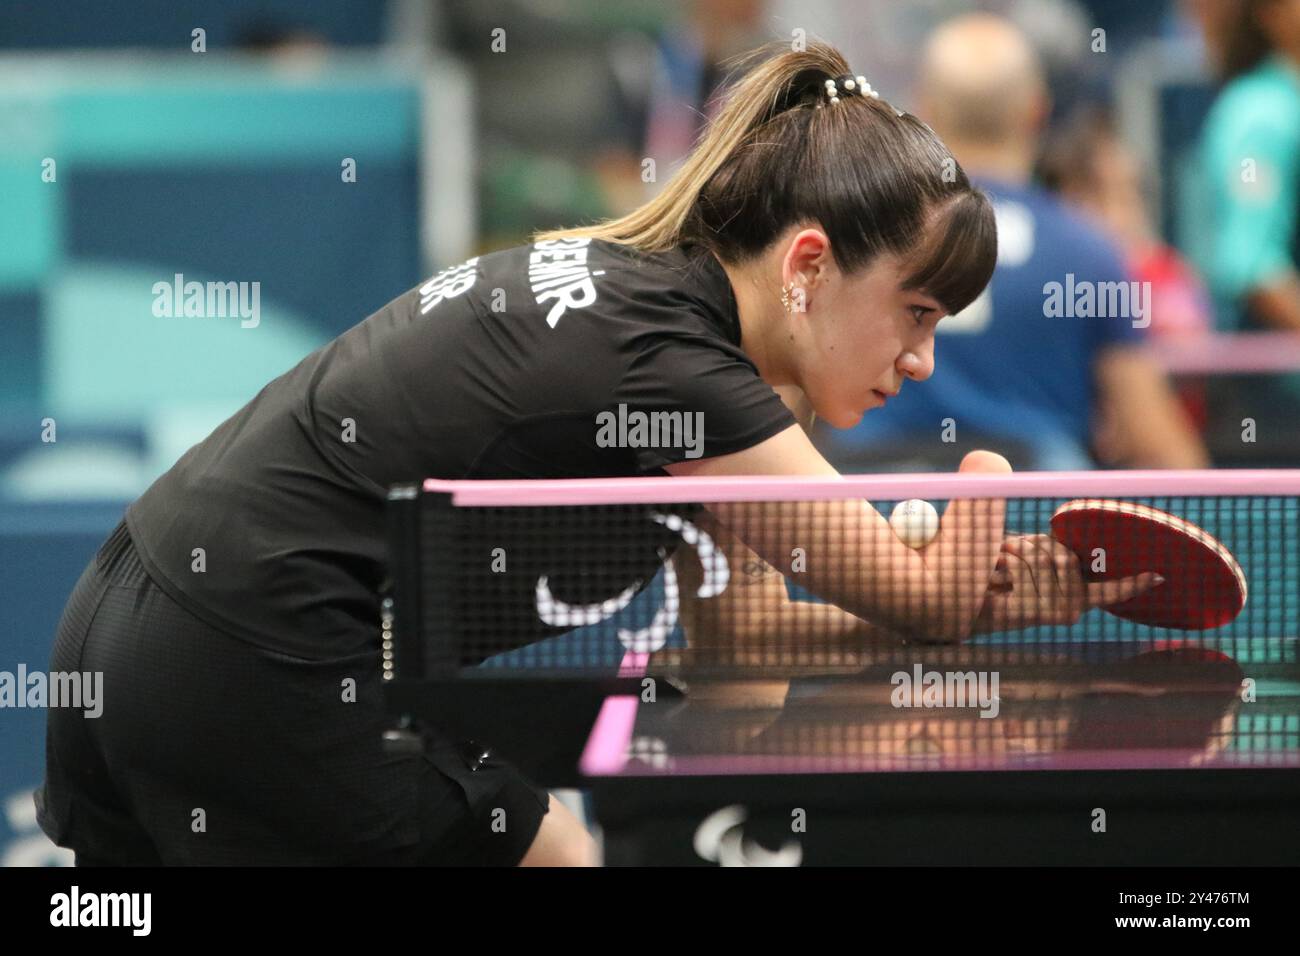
{"x":874,"y":180}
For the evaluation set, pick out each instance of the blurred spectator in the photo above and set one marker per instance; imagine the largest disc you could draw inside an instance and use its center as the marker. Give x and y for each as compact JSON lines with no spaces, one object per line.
{"x":1007,"y":371}
{"x":1086,"y":163}
{"x":1129,"y":24}
{"x":1089,"y":166}
{"x":666,"y":88}
{"x":288,"y":46}
{"x":608,"y":87}
{"x":881,"y":37}
{"x":1246,"y":239}
{"x":270,"y":37}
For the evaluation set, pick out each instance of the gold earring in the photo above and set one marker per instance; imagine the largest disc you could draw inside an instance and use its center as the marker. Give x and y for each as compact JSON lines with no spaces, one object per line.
{"x":786,"y":291}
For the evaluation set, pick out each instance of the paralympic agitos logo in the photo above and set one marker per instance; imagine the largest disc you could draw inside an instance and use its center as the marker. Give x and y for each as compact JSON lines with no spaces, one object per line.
{"x":720,"y":838}
{"x":557,"y":613}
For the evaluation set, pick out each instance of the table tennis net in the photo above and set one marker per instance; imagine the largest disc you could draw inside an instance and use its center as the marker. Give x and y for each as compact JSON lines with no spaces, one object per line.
{"x":664,"y":575}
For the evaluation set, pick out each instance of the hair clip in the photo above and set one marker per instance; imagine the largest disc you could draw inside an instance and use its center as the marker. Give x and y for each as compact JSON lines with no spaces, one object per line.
{"x":851,"y":84}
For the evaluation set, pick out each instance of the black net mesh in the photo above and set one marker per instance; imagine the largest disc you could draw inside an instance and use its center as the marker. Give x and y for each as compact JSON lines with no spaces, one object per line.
{"x":578,"y":587}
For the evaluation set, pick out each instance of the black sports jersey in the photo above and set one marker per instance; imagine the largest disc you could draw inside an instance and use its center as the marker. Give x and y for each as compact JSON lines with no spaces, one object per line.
{"x":272,"y":528}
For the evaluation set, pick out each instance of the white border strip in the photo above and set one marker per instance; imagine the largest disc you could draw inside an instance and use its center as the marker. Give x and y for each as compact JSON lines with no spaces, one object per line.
{"x":1060,"y":484}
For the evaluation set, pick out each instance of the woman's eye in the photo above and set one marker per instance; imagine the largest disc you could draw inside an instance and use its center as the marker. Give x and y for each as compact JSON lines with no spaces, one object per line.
{"x":918,"y":313}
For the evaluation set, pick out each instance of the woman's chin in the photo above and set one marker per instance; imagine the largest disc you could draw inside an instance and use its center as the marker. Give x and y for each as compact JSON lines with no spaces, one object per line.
{"x":846,"y":419}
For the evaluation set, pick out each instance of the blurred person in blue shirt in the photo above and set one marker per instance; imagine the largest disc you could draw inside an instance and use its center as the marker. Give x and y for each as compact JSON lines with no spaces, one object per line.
{"x":1046,"y":363}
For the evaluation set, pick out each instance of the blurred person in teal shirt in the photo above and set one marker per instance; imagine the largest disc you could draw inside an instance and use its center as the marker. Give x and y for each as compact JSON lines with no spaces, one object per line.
{"x":1246,"y":240}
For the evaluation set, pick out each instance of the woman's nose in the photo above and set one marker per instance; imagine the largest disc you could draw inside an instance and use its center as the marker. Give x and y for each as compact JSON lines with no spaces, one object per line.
{"x":917,"y":364}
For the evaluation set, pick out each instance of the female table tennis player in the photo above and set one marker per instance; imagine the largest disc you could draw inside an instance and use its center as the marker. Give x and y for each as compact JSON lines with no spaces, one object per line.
{"x":811,"y":242}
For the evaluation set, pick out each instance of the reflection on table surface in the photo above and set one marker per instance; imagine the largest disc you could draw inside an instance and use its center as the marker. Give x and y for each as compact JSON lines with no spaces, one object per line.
{"x":1178,"y":706}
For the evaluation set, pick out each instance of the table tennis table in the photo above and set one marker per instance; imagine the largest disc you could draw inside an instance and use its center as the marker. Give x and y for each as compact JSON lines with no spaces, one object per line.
{"x":765,"y":754}
{"x":1105,"y":755}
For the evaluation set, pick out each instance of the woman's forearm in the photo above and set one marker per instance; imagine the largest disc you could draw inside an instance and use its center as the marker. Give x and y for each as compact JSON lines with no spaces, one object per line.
{"x":755,"y":623}
{"x":847,"y":555}
{"x":801,"y":632}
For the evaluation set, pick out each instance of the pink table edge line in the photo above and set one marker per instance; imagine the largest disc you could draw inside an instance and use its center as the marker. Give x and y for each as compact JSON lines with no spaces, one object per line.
{"x":1061,"y":484}
{"x":606,"y":748}
{"x":722,"y":765}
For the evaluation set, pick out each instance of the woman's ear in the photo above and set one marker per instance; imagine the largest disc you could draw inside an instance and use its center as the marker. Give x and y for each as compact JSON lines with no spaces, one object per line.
{"x":807,"y":261}
{"x":807,"y":257}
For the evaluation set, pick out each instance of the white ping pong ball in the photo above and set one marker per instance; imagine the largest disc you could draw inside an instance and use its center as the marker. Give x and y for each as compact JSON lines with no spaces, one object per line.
{"x":916,"y":522}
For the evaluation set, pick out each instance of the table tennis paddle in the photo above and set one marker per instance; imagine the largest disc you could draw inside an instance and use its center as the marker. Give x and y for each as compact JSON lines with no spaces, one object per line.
{"x":1204,"y":585}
